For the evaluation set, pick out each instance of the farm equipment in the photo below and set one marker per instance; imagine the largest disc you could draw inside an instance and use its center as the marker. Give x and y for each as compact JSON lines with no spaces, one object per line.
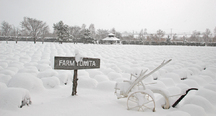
{"x":141,"y":96}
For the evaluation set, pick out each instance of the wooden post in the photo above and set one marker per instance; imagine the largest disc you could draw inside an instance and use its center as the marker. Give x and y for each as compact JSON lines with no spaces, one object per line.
{"x":74,"y":88}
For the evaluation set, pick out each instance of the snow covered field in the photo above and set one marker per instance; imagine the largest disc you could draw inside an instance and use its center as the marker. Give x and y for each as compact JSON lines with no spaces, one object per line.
{"x":26,"y":73}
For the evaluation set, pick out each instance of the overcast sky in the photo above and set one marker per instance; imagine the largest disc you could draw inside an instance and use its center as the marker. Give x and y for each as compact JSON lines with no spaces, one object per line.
{"x":123,"y":15}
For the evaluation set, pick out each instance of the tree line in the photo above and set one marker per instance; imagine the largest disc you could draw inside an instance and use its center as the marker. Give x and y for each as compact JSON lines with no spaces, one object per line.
{"x":39,"y":30}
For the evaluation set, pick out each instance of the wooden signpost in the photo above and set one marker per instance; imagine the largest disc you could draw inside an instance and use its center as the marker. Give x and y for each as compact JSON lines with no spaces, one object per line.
{"x":71,"y":63}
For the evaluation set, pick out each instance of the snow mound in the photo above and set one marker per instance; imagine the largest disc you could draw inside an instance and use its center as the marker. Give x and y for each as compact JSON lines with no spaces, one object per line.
{"x":101,"y":78}
{"x":168,"y":82}
{"x":106,"y":86}
{"x":16,"y":64}
{"x":82,"y":73}
{"x":26,"y":81}
{"x":183,"y":72}
{"x":25,"y":59}
{"x":193,"y":110}
{"x":47,"y":73}
{"x":210,"y":87}
{"x":200,"y":101}
{"x":191,"y":83}
{"x":14,"y":98}
{"x":208,"y":94}
{"x":32,"y":70}
{"x":3,"y":64}
{"x":208,"y":73}
{"x":94,"y":72}
{"x":114,"y":75}
{"x":64,"y":77}
{"x":195,"y":71}
{"x":3,"y":86}
{"x":198,"y":79}
{"x":43,"y":67}
{"x":207,"y":78}
{"x":107,"y":70}
{"x":176,"y":78}
{"x":8,"y":72}
{"x":50,"y":82}
{"x":178,"y":113}
{"x":4,"y":78}
{"x":87,"y":83}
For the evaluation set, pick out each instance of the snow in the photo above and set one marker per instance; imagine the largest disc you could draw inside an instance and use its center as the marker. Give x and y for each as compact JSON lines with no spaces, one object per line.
{"x":26,"y":72}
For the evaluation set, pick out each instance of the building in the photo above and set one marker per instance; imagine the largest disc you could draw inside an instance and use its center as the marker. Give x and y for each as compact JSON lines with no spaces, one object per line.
{"x":111,"y":39}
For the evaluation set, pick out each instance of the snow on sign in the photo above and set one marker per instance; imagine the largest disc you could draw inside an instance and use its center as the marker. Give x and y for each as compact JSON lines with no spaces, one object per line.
{"x":70,"y":63}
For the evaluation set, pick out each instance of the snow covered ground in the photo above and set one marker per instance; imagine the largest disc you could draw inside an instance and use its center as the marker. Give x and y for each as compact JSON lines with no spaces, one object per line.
{"x":27,"y":74}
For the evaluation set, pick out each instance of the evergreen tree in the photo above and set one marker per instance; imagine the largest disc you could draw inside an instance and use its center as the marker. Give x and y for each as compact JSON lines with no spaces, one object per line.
{"x":62,"y":31}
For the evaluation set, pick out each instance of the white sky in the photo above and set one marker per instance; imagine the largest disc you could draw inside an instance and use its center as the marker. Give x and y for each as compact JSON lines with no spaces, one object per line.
{"x":123,"y":15}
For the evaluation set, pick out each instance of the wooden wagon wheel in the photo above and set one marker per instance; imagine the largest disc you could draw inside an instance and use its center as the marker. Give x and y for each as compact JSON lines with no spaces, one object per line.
{"x":141,"y":100}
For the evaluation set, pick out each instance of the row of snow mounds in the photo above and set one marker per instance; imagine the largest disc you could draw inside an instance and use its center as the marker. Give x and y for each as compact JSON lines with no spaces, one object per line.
{"x":33,"y":64}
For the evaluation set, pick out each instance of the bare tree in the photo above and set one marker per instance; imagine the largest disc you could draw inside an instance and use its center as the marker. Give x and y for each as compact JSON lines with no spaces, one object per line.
{"x":206,"y":36}
{"x":44,"y":32}
{"x":113,"y":31}
{"x":118,"y":35}
{"x":101,"y":34}
{"x":174,"y":36}
{"x":160,"y":34}
{"x":215,"y":32}
{"x":141,"y":35}
{"x":6,"y":28}
{"x":33,"y":27}
{"x":16,"y":33}
{"x":214,"y":38}
{"x":195,"y":36}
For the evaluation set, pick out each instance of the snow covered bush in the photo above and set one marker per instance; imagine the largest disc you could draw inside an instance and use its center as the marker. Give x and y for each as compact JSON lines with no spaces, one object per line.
{"x":114,"y":75}
{"x":7,"y":72}
{"x":50,"y":82}
{"x":43,"y":67}
{"x":4,"y":78}
{"x":106,"y":86}
{"x":193,"y":110}
{"x":202,"y":102}
{"x":94,"y":72}
{"x":30,"y":69}
{"x":210,"y":87}
{"x":3,"y":86}
{"x":64,"y":76}
{"x":87,"y":82}
{"x":101,"y":78}
{"x":47,"y":73}
{"x":208,"y":94}
{"x":13,"y":98}
{"x":178,"y":113}
{"x":26,"y":81}
{"x":16,"y":64}
{"x":176,"y":78}
{"x":3,"y":64}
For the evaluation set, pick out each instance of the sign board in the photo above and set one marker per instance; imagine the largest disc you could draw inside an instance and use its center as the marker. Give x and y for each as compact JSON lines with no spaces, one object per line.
{"x":69,"y":63}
